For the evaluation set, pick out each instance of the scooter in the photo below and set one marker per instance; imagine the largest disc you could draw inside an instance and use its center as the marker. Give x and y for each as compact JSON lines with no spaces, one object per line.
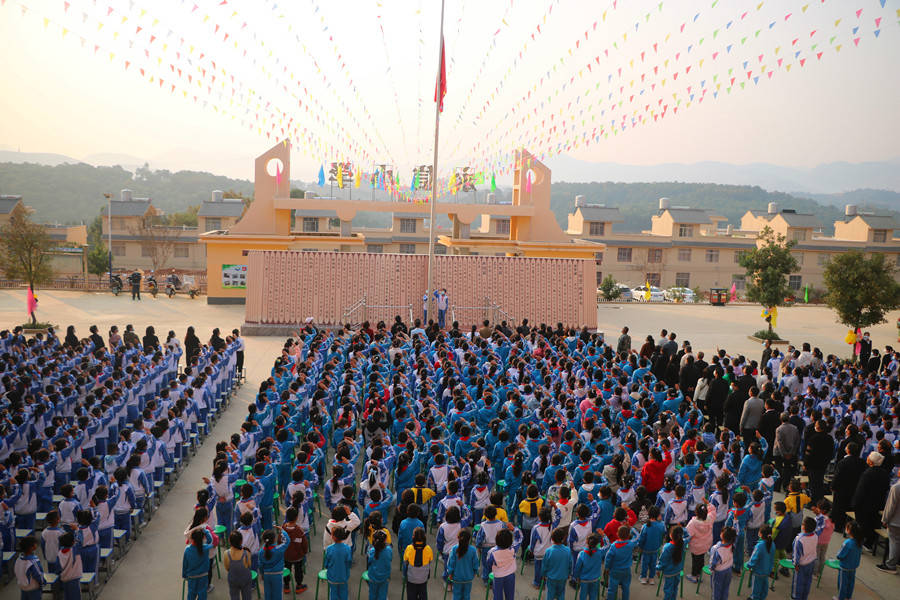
{"x":115,"y":284}
{"x":152,"y":286}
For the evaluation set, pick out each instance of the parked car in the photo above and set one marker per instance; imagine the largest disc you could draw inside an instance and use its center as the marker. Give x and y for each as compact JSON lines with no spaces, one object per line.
{"x":683,"y":294}
{"x":656,"y":294}
{"x":624,"y":293}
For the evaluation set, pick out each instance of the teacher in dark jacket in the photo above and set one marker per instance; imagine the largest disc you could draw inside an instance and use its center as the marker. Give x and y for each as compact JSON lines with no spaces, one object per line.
{"x":819,"y":452}
{"x":870,"y":496}
{"x":715,"y":397}
{"x":846,"y":477}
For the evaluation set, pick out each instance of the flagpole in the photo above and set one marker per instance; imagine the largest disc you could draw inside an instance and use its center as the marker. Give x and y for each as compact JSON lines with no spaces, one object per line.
{"x":434,"y":171}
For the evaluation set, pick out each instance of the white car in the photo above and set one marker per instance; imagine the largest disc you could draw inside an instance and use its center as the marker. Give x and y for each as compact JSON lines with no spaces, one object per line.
{"x":684,"y":294}
{"x":640,"y":292}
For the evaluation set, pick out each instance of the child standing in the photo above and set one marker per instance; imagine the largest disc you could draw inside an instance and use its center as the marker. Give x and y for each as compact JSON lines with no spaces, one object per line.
{"x":237,"y":565}
{"x":501,"y":561}
{"x":589,"y":568}
{"x":721,"y":559}
{"x":761,"y":562}
{"x":649,"y":542}
{"x":195,"y":564}
{"x":271,"y":562}
{"x":618,"y":563}
{"x":804,"y":559}
{"x":70,"y":567}
{"x":338,"y":559}
{"x":462,"y":566}
{"x":539,"y":543}
{"x":28,"y":570}
{"x":671,"y":562}
{"x":824,"y":529}
{"x":699,"y":530}
{"x":849,"y":555}
{"x":781,"y":534}
{"x":50,"y":541}
{"x":378,"y":563}
{"x":530,"y":508}
{"x":297,"y":549}
{"x":416,"y":566}
{"x":757,"y":518}
{"x":557,"y":565}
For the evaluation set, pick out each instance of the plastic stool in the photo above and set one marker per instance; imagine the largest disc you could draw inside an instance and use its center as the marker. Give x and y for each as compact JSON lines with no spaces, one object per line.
{"x":364,"y":577}
{"x":490,"y":584}
{"x":287,"y":574}
{"x":741,"y":584}
{"x":831,"y":563}
{"x":680,"y":579}
{"x":706,"y":570}
{"x":320,"y":577}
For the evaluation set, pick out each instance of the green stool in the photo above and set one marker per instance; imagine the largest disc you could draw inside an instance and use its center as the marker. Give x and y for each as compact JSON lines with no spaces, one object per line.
{"x":447,"y":585}
{"x":318,"y":502}
{"x":680,"y":579}
{"x":541,"y":588}
{"x":831,"y":563}
{"x":501,"y":484}
{"x":220,"y":530}
{"x":784,"y":563}
{"x":247,"y":468}
{"x":254,"y":577}
{"x":287,"y":574}
{"x":741,"y":584}
{"x":275,"y":508}
{"x":365,"y":577}
{"x":320,"y":577}
{"x":637,"y":563}
{"x":706,"y":570}
{"x":487,"y":589}
{"x":524,"y":560}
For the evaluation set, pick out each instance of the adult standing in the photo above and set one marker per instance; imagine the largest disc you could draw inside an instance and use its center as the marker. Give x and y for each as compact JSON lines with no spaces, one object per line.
{"x":191,"y":346}
{"x":890,"y":518}
{"x":786,"y":448}
{"x":865,"y":349}
{"x":716,"y":396}
{"x":443,"y":302}
{"x":818,"y":453}
{"x":751,"y":415}
{"x":150,"y":339}
{"x":734,"y":406}
{"x":870,"y":496}
{"x":766,"y":354}
{"x":217,"y":343}
{"x":130,"y":337}
{"x":769,"y":422}
{"x":135,"y":280}
{"x":846,"y":477}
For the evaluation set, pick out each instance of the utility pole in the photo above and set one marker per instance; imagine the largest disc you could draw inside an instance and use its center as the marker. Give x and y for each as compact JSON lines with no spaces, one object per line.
{"x":434,"y":170}
{"x":109,"y":229}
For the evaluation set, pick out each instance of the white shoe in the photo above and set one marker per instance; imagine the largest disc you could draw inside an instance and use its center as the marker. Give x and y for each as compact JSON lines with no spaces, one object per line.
{"x":643,"y":580}
{"x":651,"y":581}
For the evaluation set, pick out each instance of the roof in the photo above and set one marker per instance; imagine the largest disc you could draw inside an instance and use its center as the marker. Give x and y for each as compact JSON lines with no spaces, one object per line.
{"x":315,"y":213}
{"x":801,"y":220}
{"x":128,"y":208}
{"x":603,"y":214}
{"x":225,"y":208}
{"x":880,"y":221}
{"x":690,"y":215}
{"x":8,"y":203}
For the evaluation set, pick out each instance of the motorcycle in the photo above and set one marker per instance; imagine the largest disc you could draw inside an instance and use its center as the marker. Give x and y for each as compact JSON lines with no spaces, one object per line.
{"x":115,"y":284}
{"x":174,"y":284}
{"x":152,"y":286}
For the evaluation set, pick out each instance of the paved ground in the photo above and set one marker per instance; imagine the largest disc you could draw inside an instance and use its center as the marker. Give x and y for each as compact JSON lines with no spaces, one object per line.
{"x":152,"y":568}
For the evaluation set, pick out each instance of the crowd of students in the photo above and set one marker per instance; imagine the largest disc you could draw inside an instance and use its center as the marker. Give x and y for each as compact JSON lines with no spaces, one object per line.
{"x":88,"y":428}
{"x":545,"y":443}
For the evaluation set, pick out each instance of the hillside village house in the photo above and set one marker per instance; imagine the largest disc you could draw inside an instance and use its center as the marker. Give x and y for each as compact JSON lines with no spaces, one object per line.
{"x":70,"y":241}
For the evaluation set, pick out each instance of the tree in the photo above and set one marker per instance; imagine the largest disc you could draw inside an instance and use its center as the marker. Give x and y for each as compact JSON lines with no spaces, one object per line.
{"x":187,"y":218}
{"x":25,"y":246}
{"x":861,"y":290}
{"x":233,"y":195}
{"x":768,"y":266}
{"x":609,"y":288}
{"x":98,"y":260}
{"x":157,"y":240}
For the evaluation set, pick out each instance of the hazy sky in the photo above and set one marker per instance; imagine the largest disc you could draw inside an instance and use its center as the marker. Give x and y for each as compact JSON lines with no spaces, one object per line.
{"x":292,"y":63}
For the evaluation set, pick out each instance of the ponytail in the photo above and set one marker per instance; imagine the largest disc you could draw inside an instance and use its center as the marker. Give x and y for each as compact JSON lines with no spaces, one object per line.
{"x":677,"y":538}
{"x":268,"y":540}
{"x":197,"y":538}
{"x":335,"y":483}
{"x":765,"y":534}
{"x":465,"y":536}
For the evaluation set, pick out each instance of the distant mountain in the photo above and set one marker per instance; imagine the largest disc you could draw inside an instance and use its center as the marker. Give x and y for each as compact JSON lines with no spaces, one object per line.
{"x":829,"y":178}
{"x":870,"y":199}
{"x":40,"y":158}
{"x":111,"y":160}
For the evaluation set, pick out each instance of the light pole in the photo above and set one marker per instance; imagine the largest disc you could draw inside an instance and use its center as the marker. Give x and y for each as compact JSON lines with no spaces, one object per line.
{"x":109,"y":230}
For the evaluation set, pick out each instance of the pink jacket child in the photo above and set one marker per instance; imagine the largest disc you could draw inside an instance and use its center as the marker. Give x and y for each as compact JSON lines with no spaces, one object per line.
{"x":701,"y":531}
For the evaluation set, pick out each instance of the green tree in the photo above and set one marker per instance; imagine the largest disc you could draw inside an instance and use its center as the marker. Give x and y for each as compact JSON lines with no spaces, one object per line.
{"x":187,"y":218}
{"x":609,"y":289}
{"x":98,"y":260}
{"x":95,"y":231}
{"x":861,"y":290}
{"x":768,"y":266}
{"x":297,"y":193}
{"x":24,"y":247}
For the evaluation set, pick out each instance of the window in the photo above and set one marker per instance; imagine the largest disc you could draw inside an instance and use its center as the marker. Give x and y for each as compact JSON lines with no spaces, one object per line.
{"x":653,"y":279}
{"x":597,"y":228}
{"x":598,"y":258}
{"x":685,"y":230}
{"x":503,"y":226}
{"x":795,"y":282}
{"x":740,"y":282}
{"x":798,"y":235}
{"x":374,"y":248}
{"x":879,"y":235}
{"x":407,"y":225}
{"x":738,"y":255}
{"x":182,"y":251}
{"x":654,"y":255}
{"x":213,"y":223}
{"x":682,"y":280}
{"x":118,"y":223}
{"x":407,"y":248}
{"x":334,"y":223}
{"x":147,"y":251}
{"x":310,"y":224}
{"x":624,"y":255}
{"x":822,"y":258}
{"x":712,"y":256}
{"x":439,"y":249}
{"x":310,"y":250}
{"x":118,"y":249}
{"x":798,"y":256}
{"x":599,"y":278}
{"x":684,"y":255}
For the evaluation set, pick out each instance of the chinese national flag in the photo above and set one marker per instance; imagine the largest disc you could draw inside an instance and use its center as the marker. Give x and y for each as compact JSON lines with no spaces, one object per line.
{"x":440,"y":88}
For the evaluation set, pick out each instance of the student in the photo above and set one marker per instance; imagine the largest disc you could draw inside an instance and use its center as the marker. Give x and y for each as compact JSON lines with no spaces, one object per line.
{"x":408,"y":526}
{"x":721,"y":559}
{"x":649,"y":542}
{"x":50,"y":541}
{"x":295,"y":556}
{"x":699,"y":530}
{"x":28,"y":570}
{"x":501,"y":561}
{"x":195,"y":564}
{"x":70,"y":568}
{"x":250,"y":538}
{"x":804,"y":557}
{"x":557,"y":565}
{"x":378,"y":563}
{"x":757,"y":518}
{"x":487,"y":536}
{"x":462,"y":566}
{"x":271,"y":562}
{"x":761,"y":563}
{"x":530,"y":508}
{"x":824,"y":529}
{"x":448,"y":534}
{"x":794,"y":502}
{"x":737,"y":518}
{"x":416,"y":566}
{"x":88,"y":540}
{"x":671,"y":562}
{"x":589,"y":568}
{"x":848,"y":557}
{"x":338,"y":560}
{"x":237,"y":565}
{"x":618,"y":563}
{"x":677,"y":508}
{"x":540,"y":542}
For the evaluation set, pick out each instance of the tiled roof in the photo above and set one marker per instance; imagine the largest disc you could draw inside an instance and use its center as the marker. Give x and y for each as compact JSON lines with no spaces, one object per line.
{"x":690,"y":215}
{"x":880,"y":221}
{"x":128,"y":208}
{"x":603,"y":214}
{"x":225,"y":208}
{"x":7,"y":203}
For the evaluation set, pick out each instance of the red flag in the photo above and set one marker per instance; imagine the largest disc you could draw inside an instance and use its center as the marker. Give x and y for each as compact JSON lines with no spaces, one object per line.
{"x":440,"y":88}
{"x":31,"y":301}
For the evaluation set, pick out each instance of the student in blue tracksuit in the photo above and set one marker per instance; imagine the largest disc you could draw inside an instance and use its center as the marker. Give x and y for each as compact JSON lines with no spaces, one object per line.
{"x":804,"y":559}
{"x":271,"y":562}
{"x":761,"y":563}
{"x":557,"y":565}
{"x":618,"y":563}
{"x":462,"y":566}
{"x":671,"y":563}
{"x":721,"y":559}
{"x":540,"y":542}
{"x":378,"y":563}
{"x":195,"y":564}
{"x":589,"y":568}
{"x":649,"y":542}
{"x":338,"y":560}
{"x":848,"y":557}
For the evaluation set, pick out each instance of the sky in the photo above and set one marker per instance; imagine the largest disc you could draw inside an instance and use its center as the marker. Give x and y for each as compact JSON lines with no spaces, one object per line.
{"x":354,"y":80}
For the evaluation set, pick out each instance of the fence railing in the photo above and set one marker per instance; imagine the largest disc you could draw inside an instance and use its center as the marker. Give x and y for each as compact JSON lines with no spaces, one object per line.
{"x":91,"y":283}
{"x":361,"y":311}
